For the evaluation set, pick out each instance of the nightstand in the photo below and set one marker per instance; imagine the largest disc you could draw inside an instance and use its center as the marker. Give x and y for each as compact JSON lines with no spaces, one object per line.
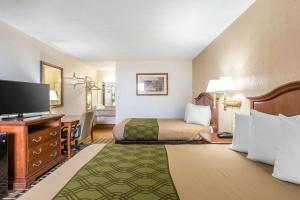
{"x":212,"y":138}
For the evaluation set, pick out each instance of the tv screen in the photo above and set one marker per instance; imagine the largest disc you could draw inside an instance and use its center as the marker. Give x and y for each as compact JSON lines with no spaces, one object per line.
{"x":21,"y":97}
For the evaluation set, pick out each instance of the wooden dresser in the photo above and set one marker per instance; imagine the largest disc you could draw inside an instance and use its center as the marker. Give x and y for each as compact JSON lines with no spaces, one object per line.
{"x":33,"y":147}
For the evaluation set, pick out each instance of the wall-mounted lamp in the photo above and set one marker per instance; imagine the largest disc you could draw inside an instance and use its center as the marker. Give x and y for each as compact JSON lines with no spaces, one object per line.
{"x":223,"y":85}
{"x":226,"y":85}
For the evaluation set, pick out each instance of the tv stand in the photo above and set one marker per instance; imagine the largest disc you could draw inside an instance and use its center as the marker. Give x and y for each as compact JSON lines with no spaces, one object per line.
{"x":34,"y":148}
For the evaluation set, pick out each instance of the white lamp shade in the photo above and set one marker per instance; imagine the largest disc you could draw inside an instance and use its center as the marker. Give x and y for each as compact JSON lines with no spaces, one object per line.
{"x":53,"y":95}
{"x":213,"y":86}
{"x":225,"y":84}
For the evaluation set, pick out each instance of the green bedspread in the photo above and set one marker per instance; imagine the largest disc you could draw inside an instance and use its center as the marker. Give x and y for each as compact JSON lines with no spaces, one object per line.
{"x":141,"y":129}
{"x":137,"y":172}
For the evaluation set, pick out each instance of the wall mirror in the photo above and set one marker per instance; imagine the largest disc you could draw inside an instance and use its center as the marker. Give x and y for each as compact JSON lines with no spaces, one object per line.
{"x":108,"y":95}
{"x":53,"y":75}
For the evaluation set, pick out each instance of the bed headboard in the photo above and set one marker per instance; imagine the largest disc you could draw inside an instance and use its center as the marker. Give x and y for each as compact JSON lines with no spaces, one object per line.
{"x":282,"y":100}
{"x":207,"y":99}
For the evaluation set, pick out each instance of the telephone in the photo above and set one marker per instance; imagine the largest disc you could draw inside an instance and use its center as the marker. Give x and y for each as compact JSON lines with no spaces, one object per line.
{"x":225,"y":135}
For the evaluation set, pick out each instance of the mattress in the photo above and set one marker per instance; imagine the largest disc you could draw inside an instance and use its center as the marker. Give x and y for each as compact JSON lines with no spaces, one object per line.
{"x":169,"y":130}
{"x":198,"y":172}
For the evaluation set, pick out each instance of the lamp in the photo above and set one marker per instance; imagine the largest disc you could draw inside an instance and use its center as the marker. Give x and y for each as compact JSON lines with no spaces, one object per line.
{"x":212,"y":87}
{"x":53,"y":95}
{"x":226,"y":85}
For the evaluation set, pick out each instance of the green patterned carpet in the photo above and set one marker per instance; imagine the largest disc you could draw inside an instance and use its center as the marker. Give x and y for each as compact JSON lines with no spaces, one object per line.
{"x":141,"y":129}
{"x":123,"y":172}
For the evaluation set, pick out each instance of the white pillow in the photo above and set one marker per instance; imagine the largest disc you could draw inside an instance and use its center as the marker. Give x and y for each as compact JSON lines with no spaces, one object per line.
{"x":197,"y":114}
{"x":240,"y":141}
{"x":287,"y":163}
{"x":264,"y":137}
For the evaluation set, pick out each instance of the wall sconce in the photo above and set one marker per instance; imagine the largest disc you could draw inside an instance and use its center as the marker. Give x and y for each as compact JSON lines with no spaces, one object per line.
{"x":223,"y":85}
{"x":231,"y":102}
{"x":226,"y":85}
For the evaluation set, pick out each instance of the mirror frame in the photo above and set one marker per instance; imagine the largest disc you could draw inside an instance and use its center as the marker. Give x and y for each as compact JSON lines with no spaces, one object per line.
{"x":42,"y":64}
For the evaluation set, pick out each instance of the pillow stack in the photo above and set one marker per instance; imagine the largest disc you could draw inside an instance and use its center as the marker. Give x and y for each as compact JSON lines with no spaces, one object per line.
{"x":270,"y":139}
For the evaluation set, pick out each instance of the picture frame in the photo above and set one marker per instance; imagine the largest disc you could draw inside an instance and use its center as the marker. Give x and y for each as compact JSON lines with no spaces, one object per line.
{"x":152,"y":84}
{"x":53,"y":75}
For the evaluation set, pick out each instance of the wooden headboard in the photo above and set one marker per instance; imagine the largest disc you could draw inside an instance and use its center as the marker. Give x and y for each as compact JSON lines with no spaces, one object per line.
{"x":206,"y":99}
{"x":282,"y":100}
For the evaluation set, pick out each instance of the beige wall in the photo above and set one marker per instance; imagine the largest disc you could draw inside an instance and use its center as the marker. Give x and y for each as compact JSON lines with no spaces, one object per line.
{"x":261,"y":50}
{"x":106,"y":75}
{"x":20,"y":57}
{"x":129,"y":105}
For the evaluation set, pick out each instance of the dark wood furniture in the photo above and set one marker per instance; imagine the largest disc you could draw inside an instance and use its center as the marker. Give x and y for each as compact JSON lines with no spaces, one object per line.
{"x":212,"y":138}
{"x":34,"y":147}
{"x":3,"y":166}
{"x":206,"y":99}
{"x":69,"y":122}
{"x":282,"y":100}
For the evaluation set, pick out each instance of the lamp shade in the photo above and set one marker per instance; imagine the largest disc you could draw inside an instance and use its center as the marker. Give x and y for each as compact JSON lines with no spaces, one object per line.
{"x":53,"y":95}
{"x":213,"y":86}
{"x":225,"y":84}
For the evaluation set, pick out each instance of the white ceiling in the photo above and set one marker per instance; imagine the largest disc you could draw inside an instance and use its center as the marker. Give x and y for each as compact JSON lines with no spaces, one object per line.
{"x":95,"y":30}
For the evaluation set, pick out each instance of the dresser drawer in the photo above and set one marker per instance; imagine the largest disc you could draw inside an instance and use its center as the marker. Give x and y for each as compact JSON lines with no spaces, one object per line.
{"x":40,"y":162}
{"x":41,"y":155}
{"x":42,"y":149}
{"x":39,"y":137}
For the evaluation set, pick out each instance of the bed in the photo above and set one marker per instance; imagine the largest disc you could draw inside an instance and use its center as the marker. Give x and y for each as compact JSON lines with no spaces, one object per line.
{"x":186,"y":172}
{"x":197,"y":171}
{"x":165,"y":131}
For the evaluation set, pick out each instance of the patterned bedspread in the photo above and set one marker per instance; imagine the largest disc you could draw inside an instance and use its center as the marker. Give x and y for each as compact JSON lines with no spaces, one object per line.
{"x":144,"y":172}
{"x":141,"y":129}
{"x":139,"y":172}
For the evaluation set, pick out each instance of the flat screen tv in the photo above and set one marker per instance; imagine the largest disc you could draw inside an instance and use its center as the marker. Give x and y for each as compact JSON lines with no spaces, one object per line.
{"x":21,"y":97}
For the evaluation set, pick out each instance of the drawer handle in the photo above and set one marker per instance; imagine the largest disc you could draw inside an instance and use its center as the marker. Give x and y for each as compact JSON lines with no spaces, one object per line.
{"x":54,"y":134}
{"x":53,"y":154}
{"x":37,"y":152}
{"x":53,"y":144}
{"x":37,"y":164}
{"x":37,"y":140}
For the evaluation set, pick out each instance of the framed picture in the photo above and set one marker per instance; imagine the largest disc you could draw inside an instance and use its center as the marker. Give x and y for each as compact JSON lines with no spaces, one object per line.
{"x":152,"y":84}
{"x":53,"y":75}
